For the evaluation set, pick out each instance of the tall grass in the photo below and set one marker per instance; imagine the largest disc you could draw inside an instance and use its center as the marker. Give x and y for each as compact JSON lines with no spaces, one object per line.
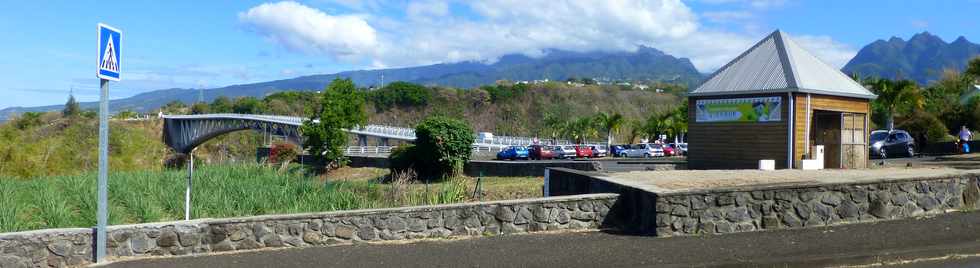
{"x":218,"y":191}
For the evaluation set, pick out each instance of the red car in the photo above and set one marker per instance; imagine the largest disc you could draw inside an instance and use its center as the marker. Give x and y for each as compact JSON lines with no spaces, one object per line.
{"x":538,"y":152}
{"x":583,"y":151}
{"x":669,"y":150}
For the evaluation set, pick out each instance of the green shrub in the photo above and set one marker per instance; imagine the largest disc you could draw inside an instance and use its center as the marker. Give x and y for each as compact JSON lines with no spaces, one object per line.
{"x":402,"y":159}
{"x":925,"y":128}
{"x":443,"y":146}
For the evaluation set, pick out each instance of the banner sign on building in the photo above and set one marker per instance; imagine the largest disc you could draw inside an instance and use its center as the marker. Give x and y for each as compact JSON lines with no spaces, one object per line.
{"x":764,"y":109}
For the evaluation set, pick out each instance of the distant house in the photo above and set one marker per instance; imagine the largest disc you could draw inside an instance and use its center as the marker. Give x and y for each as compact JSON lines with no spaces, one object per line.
{"x":975,"y":91}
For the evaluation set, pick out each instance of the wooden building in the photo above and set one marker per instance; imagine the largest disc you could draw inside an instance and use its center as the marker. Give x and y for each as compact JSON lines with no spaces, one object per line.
{"x":777,"y":101}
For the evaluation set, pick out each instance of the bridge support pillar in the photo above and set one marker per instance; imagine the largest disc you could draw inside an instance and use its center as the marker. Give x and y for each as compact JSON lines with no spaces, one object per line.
{"x":383,"y":142}
{"x":362,"y":140}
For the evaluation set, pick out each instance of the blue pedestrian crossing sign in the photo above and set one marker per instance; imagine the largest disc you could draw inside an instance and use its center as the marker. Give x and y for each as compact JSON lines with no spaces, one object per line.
{"x":109,"y":57}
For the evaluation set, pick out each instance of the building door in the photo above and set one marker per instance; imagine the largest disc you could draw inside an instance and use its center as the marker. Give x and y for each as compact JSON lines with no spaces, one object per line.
{"x":827,"y":132}
{"x":854,"y":143}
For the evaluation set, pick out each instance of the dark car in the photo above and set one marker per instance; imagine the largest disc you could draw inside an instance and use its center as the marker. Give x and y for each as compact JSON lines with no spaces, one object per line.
{"x":538,"y":152}
{"x":617,"y":150}
{"x":885,"y":143}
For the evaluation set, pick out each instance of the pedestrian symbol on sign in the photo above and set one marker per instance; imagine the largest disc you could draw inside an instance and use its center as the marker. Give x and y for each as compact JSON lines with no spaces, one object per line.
{"x":109,"y":58}
{"x":109,"y":52}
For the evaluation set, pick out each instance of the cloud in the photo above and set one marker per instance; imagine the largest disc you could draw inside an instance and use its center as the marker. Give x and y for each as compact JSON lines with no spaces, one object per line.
{"x":431,"y":31}
{"x":920,"y":24}
{"x":427,"y":8}
{"x":529,"y":26}
{"x":759,"y":4}
{"x":300,"y":28}
{"x":727,"y":16}
{"x":825,"y":48}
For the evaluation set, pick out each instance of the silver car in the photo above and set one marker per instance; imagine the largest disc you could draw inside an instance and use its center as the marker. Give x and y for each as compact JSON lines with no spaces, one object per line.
{"x":645,"y":150}
{"x":564,"y":151}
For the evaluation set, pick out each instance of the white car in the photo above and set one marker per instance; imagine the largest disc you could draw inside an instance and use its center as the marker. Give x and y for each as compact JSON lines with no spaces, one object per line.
{"x":645,"y":150}
{"x":679,"y":148}
{"x":564,"y":151}
{"x":599,"y":151}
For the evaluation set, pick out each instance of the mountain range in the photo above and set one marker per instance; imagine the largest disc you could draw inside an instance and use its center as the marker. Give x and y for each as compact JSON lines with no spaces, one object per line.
{"x":922,"y":58}
{"x":558,"y":65}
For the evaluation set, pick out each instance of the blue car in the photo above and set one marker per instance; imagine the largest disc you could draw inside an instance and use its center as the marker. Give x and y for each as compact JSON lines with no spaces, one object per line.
{"x":513,"y":153}
{"x":617,"y":150}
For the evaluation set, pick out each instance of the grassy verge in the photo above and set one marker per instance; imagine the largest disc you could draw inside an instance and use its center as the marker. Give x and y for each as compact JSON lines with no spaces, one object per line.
{"x":228,"y":191}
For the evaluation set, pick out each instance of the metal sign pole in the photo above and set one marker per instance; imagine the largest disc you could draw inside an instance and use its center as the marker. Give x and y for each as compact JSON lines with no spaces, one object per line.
{"x":103,"y":209}
{"x":109,"y":59}
{"x":187,"y":194}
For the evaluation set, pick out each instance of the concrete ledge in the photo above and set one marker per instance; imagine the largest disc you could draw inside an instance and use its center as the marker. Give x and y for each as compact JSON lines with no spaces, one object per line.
{"x":74,"y":246}
{"x":493,"y":168}
{"x":652,"y":210}
{"x":504,"y":168}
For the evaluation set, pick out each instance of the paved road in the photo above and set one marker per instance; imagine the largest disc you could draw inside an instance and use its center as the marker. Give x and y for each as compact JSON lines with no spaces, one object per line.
{"x":957,"y":233}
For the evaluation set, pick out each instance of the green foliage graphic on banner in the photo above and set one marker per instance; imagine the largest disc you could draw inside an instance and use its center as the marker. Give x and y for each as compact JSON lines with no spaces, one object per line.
{"x":765,"y":109}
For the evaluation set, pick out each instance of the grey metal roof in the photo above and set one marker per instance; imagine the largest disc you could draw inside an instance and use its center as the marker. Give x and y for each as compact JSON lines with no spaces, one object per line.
{"x":777,"y":64}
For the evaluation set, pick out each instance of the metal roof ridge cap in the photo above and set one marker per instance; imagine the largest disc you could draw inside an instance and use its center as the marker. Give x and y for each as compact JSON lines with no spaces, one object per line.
{"x":838,"y":93}
{"x":736,"y":59}
{"x":789,"y":66}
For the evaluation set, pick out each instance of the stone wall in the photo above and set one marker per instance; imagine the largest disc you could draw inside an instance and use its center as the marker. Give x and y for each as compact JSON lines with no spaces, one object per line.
{"x":770,"y":207}
{"x":72,"y":247}
{"x":811,"y":206}
{"x":493,"y":168}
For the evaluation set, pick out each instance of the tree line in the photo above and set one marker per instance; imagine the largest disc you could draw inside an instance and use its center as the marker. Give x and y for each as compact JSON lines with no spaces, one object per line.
{"x":931,"y":113}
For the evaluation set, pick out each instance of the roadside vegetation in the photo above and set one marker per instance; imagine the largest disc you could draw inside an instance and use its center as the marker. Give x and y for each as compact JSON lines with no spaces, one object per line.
{"x":933,"y":112}
{"x":505,"y":108}
{"x":230,"y":191}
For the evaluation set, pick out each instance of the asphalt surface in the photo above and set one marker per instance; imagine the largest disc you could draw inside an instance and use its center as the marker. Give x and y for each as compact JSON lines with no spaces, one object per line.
{"x":891,"y":243}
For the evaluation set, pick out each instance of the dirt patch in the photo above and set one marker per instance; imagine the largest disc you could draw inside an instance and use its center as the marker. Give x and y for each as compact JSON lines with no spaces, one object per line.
{"x":356,"y":174}
{"x":678,"y":180}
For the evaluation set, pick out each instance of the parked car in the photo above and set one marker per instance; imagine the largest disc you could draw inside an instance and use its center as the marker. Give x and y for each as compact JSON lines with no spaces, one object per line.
{"x":564,"y":151}
{"x":646,"y":150}
{"x":513,"y":153}
{"x":616,"y":150}
{"x":679,"y":148}
{"x":538,"y":152}
{"x":598,"y":151}
{"x":583,"y":151}
{"x":669,"y":150}
{"x":885,"y":143}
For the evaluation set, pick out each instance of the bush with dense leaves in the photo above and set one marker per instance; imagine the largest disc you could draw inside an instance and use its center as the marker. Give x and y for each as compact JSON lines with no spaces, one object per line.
{"x":924,"y":127}
{"x":282,"y":152}
{"x":402,"y":159}
{"x":443,"y":145}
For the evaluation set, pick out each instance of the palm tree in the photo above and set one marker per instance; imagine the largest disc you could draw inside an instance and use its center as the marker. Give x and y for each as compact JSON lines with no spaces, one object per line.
{"x":610,"y":124}
{"x":583,"y":128}
{"x":557,"y":125}
{"x":896,"y":95}
{"x":636,"y":129}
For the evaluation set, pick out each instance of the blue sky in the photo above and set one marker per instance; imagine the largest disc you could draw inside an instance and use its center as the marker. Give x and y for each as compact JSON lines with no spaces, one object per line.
{"x":51,"y":45}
